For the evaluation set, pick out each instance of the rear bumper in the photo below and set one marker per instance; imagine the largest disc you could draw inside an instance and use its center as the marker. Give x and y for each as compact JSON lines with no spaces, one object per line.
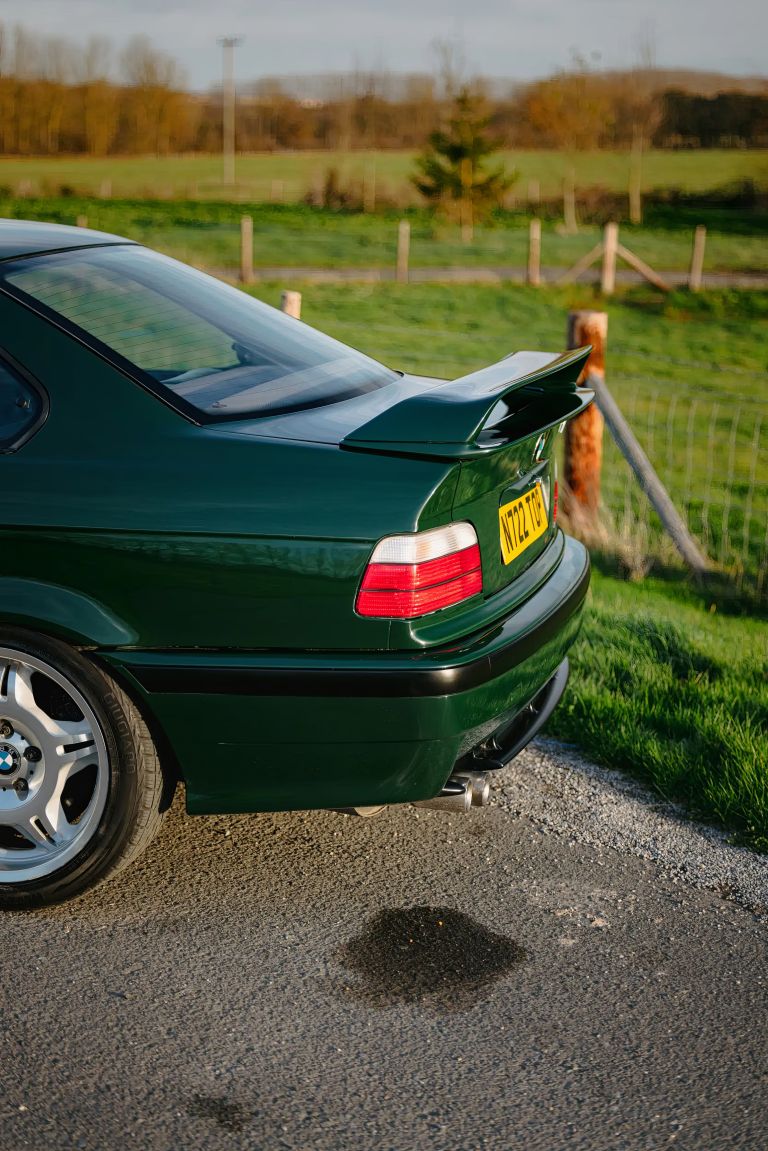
{"x":272,"y":731}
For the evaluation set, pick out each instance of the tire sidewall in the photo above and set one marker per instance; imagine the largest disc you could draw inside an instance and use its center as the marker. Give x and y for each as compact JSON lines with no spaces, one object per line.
{"x":103,"y":850}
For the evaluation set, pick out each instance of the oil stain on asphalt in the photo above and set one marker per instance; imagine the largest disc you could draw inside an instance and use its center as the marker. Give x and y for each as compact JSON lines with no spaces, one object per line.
{"x":430,"y":955}
{"x":229,"y":1116}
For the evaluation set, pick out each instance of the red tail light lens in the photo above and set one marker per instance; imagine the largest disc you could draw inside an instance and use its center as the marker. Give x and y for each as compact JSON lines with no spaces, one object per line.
{"x":410,"y":576}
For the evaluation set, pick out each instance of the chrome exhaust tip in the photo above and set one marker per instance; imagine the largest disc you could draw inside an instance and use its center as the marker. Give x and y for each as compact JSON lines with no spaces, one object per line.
{"x":363,"y":812}
{"x":481,"y":787}
{"x":462,"y":791}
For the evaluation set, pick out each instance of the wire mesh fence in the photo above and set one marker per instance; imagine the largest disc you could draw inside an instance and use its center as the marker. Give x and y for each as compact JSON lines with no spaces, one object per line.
{"x":711,"y":453}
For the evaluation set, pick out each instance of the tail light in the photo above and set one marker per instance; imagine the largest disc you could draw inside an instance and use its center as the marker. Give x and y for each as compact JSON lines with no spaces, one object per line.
{"x":412,"y":575}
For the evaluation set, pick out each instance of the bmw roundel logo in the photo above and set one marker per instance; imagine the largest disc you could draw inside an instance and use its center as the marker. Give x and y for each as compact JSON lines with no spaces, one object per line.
{"x":9,"y":759}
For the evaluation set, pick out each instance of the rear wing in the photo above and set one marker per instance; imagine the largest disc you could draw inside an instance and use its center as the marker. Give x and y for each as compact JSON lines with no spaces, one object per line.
{"x":525,"y":393}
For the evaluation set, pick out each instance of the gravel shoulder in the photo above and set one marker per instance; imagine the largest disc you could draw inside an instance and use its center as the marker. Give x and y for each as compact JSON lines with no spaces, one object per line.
{"x":566,"y":795}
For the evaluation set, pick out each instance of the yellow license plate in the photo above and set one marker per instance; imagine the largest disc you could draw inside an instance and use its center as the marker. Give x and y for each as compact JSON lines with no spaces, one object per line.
{"x":521,"y":522}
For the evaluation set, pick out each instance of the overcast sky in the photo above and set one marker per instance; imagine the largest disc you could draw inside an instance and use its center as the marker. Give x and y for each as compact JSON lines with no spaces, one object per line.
{"x":515,"y":38}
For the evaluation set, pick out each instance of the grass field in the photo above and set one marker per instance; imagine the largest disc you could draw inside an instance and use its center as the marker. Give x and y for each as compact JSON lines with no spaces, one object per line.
{"x":208,"y":234}
{"x":677,"y":694}
{"x":289,"y":175}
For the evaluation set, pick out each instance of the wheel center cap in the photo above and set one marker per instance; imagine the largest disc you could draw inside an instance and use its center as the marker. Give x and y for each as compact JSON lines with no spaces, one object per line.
{"x":9,"y":759}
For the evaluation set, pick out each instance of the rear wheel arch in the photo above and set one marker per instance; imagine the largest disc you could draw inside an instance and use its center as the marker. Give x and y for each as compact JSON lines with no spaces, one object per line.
{"x":61,"y":613}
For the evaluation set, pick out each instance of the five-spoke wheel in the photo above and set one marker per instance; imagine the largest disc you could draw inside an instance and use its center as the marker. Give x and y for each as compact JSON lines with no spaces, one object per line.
{"x":80,"y":784}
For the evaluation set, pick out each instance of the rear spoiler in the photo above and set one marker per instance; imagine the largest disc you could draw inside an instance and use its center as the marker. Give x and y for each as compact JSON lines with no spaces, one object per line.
{"x":526,"y":393}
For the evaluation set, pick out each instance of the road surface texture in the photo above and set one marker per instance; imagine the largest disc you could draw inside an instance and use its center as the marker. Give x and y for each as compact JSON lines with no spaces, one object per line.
{"x":574,"y":967}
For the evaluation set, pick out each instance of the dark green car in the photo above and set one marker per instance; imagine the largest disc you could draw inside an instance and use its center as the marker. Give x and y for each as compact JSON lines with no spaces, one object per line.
{"x":237,"y":553}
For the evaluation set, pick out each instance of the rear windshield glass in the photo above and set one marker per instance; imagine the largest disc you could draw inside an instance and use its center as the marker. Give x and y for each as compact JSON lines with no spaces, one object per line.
{"x":209,"y":344}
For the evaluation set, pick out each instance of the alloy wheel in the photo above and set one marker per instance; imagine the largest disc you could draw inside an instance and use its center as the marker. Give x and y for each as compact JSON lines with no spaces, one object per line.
{"x":54,"y":769}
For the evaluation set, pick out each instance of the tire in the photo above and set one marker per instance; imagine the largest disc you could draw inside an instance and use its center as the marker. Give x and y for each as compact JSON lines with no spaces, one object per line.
{"x":82,"y":792}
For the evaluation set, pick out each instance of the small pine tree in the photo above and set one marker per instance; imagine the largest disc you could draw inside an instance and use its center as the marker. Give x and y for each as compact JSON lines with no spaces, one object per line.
{"x":451,"y":172}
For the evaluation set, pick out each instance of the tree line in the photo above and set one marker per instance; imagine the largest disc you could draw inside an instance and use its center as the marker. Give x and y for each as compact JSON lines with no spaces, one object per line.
{"x":58,"y":97}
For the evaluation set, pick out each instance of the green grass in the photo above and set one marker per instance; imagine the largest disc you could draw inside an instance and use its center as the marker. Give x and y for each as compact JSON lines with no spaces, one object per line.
{"x":717,"y":341}
{"x":207,"y":233}
{"x":676,"y":693}
{"x":289,"y":175}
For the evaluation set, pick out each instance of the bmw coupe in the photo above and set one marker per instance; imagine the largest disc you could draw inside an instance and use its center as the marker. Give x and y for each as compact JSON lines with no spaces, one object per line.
{"x":238,"y":554}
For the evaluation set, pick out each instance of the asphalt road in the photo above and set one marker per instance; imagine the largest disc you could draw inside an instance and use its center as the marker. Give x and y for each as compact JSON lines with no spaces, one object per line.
{"x":419,"y":980}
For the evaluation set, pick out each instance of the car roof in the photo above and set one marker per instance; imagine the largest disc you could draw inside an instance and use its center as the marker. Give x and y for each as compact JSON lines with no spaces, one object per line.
{"x":28,"y":238}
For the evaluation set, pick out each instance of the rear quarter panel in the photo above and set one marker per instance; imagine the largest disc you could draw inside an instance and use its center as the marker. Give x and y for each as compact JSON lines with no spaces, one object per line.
{"x":137,"y":528}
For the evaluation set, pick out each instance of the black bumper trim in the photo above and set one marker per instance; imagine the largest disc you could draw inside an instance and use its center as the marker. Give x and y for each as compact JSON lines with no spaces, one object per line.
{"x":514,"y":737}
{"x":378,"y":683}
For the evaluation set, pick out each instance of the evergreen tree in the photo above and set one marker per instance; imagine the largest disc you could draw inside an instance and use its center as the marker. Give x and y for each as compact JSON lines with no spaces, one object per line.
{"x":451,"y":173}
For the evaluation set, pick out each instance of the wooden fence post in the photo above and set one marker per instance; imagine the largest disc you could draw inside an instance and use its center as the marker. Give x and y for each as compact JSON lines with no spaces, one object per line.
{"x":697,"y":258}
{"x":534,"y":251}
{"x":610,"y":244}
{"x":369,"y":189}
{"x":82,"y":221}
{"x":584,"y":449}
{"x":290,"y":303}
{"x":246,"y":249}
{"x":636,"y":181}
{"x":534,"y":193}
{"x":584,"y":435}
{"x":403,"y":250}
{"x":569,"y":202}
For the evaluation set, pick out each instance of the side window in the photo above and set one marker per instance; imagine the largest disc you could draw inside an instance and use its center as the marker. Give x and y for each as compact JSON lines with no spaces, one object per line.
{"x":21,"y":409}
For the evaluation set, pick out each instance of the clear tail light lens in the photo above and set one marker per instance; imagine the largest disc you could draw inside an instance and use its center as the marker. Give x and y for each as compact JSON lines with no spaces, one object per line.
{"x":412,"y":575}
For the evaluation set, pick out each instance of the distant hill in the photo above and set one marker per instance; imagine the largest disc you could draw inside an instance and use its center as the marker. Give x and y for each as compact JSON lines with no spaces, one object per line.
{"x":327,"y":86}
{"x":689,"y":80}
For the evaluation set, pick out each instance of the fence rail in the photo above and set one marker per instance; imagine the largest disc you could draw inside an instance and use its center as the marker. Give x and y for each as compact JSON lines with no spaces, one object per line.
{"x":359,"y":247}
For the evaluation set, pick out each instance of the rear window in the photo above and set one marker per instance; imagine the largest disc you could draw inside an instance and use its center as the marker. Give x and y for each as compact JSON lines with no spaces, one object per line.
{"x":206,"y":343}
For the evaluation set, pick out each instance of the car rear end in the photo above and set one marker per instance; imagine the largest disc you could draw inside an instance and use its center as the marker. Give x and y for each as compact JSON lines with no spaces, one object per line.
{"x":457,"y":624}
{"x":493,"y":599}
{"x":352,"y":583}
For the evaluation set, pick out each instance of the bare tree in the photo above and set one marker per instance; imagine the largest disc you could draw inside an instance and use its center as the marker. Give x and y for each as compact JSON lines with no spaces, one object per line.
{"x":451,"y":66}
{"x":645,"y":111}
{"x":101,"y":109}
{"x":158,"y":105}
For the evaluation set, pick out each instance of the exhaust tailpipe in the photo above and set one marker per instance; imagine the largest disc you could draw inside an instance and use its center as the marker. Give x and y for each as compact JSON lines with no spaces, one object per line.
{"x":462,"y":791}
{"x":480,"y":782}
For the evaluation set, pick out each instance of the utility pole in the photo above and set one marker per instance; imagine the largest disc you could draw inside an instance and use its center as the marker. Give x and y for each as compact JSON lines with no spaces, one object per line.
{"x":228,"y":45}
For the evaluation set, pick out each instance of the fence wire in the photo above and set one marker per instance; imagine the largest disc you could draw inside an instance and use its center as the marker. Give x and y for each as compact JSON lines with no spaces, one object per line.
{"x":712,"y":456}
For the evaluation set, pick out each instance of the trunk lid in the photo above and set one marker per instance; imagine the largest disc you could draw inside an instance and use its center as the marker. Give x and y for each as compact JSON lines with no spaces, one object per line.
{"x":501,"y":425}
{"x":498,"y":425}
